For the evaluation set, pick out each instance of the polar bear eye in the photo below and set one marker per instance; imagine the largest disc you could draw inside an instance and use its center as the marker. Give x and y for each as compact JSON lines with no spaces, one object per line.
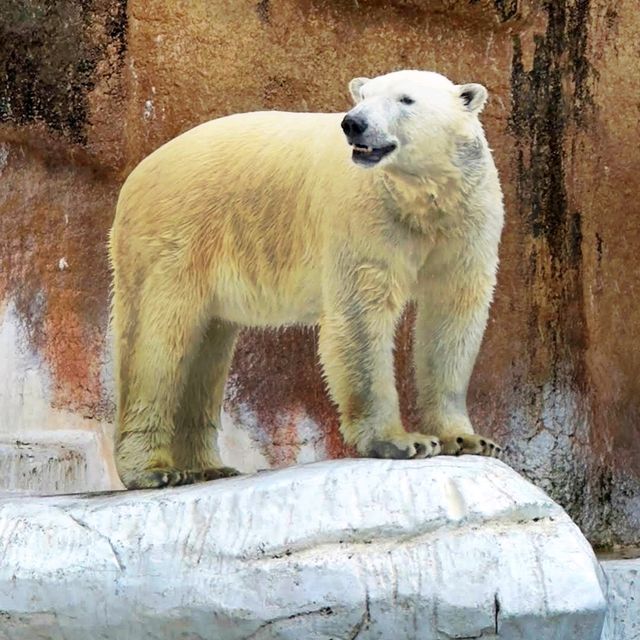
{"x":407,"y":100}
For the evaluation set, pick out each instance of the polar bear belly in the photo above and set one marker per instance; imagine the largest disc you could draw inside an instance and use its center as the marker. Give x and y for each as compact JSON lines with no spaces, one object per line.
{"x":268,"y":303}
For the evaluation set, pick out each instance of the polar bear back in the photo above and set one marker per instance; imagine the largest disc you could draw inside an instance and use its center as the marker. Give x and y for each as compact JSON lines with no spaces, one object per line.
{"x":247,"y":197}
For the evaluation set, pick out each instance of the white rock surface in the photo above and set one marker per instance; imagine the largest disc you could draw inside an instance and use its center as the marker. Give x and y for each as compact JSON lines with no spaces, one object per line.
{"x":52,"y":462}
{"x":623,"y":597}
{"x":428,"y":549}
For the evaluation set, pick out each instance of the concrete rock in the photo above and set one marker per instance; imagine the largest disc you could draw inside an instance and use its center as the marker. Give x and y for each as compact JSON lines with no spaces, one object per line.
{"x":623,"y":598}
{"x":425,"y":549}
{"x":52,"y":462}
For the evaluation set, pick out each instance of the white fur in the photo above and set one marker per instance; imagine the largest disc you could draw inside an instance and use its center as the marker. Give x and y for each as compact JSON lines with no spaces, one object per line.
{"x":262,"y":219}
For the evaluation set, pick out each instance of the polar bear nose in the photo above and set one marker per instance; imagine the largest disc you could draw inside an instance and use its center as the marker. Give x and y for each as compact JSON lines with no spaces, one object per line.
{"x":353,"y":126}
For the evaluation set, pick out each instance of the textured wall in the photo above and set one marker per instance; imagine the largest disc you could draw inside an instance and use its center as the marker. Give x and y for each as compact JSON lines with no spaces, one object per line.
{"x":88,"y":89}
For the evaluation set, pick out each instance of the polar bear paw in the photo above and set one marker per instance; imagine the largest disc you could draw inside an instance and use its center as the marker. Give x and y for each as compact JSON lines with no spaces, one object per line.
{"x":469,"y":443}
{"x":403,"y":446}
{"x":160,"y":477}
{"x":215,"y":473}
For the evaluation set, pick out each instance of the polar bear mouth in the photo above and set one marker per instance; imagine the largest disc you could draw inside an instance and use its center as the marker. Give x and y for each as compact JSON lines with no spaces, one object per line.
{"x":370,"y":155}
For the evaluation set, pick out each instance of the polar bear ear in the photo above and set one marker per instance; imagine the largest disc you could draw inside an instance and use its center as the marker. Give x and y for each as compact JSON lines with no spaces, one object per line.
{"x":354,"y":87}
{"x":473,"y":96}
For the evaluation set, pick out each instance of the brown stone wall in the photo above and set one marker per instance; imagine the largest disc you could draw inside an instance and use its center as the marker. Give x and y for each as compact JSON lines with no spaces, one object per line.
{"x":88,"y":89}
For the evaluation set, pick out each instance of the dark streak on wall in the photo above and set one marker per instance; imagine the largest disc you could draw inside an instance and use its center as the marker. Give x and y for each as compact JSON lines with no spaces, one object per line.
{"x":48,"y":59}
{"x":549,"y":104}
{"x":263,"y":9}
{"x":541,"y":113}
{"x":506,"y":9}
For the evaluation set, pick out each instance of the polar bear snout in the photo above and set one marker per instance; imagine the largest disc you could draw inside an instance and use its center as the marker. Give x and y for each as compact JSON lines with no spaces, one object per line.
{"x":353,"y":126}
{"x":367,"y":149}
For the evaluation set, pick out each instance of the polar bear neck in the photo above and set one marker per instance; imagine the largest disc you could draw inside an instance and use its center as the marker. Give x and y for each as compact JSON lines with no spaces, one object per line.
{"x":432,"y":205}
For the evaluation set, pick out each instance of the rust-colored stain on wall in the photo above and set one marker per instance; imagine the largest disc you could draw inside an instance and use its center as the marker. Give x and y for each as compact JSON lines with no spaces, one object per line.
{"x":557,"y":378}
{"x":53,"y":268}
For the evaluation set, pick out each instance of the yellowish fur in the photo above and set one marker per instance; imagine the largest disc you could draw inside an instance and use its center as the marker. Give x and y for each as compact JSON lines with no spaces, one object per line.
{"x":263,"y":219}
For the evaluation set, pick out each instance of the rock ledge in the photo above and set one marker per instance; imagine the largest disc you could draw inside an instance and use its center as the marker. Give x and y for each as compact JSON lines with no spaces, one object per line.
{"x":429,"y":549}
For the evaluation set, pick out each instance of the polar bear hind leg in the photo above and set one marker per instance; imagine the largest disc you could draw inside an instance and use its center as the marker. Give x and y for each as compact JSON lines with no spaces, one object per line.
{"x":197,"y":420}
{"x":163,"y":351}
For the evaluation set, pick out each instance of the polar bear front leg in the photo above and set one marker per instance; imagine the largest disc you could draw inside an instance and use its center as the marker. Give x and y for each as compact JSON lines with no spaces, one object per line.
{"x":356,"y":349}
{"x":453,"y":305}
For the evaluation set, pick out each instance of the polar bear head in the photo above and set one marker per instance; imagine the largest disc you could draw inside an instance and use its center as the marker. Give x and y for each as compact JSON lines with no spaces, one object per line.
{"x":411,"y":120}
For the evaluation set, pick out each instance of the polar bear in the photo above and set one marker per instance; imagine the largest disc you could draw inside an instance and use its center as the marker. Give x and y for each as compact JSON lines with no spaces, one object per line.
{"x":269,"y":219}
